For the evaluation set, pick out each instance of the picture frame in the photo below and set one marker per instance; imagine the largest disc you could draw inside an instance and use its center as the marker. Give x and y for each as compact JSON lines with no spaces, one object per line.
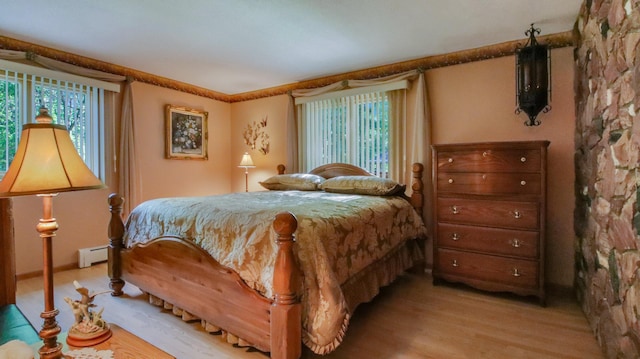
{"x":186,"y":133}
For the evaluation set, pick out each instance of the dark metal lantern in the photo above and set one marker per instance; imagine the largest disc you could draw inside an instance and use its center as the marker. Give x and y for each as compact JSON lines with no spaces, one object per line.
{"x":533,"y":78}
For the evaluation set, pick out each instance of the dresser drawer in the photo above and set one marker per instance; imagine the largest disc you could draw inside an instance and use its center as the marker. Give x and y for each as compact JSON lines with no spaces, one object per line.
{"x":489,"y":240}
{"x":514,"y":272}
{"x":490,"y":160}
{"x":489,"y":183}
{"x":490,"y":213}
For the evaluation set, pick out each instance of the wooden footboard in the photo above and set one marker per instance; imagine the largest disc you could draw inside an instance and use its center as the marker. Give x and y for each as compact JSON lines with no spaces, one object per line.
{"x":185,"y":275}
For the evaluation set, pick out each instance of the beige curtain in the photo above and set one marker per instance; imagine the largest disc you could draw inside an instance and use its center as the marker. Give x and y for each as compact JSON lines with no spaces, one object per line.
{"x":292,"y":138}
{"x":421,"y":143}
{"x":129,"y":179}
{"x":125,"y":162}
{"x":398,"y":135}
{"x":410,"y":137}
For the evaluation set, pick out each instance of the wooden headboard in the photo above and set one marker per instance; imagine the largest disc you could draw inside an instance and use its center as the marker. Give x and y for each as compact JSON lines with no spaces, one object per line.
{"x":333,"y":170}
{"x":339,"y":169}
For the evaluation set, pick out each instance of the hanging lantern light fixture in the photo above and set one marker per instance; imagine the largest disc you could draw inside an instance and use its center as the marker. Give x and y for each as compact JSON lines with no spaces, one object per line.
{"x":533,"y":78}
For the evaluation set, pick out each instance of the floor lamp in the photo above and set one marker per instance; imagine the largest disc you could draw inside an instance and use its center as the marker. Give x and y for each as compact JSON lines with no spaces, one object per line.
{"x":45,"y":164}
{"x":246,"y":163}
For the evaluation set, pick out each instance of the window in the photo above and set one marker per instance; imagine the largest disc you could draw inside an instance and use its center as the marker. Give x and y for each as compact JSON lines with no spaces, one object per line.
{"x":72,"y":101}
{"x":351,"y":129}
{"x":351,"y":126}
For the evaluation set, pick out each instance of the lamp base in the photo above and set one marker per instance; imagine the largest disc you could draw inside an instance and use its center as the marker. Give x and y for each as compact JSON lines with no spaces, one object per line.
{"x":51,"y":352}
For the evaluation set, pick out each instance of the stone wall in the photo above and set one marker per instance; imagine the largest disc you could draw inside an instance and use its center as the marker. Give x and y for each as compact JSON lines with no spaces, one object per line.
{"x":607,"y":220}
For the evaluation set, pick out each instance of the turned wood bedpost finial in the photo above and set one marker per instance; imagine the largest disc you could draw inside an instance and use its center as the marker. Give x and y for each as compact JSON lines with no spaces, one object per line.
{"x":116,"y":232}
{"x":417,"y":186}
{"x":286,"y":310}
{"x":286,"y":277}
{"x":281,"y":169}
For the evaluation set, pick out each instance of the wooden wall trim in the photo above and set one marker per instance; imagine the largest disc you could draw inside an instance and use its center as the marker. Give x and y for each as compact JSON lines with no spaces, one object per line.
{"x":7,"y":254}
{"x":558,"y":40}
{"x":8,"y":43}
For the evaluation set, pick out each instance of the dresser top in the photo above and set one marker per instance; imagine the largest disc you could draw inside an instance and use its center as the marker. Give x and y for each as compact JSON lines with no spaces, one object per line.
{"x":499,"y":144}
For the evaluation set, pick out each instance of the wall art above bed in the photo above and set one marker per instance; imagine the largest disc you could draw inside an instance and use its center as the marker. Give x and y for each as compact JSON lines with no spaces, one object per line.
{"x":186,"y":133}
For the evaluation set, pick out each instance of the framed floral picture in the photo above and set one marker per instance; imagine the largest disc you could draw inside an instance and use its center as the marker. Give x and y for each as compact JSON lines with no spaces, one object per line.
{"x":186,"y":133}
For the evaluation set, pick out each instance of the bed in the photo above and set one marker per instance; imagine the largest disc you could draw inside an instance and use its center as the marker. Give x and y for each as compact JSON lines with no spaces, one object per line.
{"x":272,"y":269}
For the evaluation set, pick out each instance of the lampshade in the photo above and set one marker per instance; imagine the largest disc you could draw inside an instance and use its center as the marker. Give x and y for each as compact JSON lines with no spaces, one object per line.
{"x":246,"y":162}
{"x":46,"y":162}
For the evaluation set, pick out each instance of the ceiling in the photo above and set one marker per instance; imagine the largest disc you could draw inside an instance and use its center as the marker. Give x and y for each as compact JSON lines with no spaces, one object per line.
{"x":236,"y":46}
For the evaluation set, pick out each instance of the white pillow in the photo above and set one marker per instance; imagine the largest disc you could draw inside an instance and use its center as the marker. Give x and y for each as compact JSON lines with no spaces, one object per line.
{"x":368,"y":185}
{"x":295,"y":181}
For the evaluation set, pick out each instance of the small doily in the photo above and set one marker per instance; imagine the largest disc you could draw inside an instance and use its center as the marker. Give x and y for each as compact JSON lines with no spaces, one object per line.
{"x":89,"y":353}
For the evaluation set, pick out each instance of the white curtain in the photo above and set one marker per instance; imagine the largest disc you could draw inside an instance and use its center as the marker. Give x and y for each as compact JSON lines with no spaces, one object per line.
{"x":410,"y":137}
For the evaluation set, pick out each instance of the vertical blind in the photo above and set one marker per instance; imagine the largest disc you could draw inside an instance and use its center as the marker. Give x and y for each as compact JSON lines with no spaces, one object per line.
{"x":351,"y":129}
{"x":79,"y":107}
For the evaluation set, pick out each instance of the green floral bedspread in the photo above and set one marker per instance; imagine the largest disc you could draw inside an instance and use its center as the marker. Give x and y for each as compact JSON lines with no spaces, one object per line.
{"x":338,"y":235}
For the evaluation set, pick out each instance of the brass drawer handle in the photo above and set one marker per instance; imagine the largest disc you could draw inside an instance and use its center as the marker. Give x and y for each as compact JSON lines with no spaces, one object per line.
{"x":454,"y":263}
{"x":450,"y":160}
{"x":454,"y":210}
{"x":523,"y":183}
{"x":455,"y":236}
{"x":450,"y":180}
{"x":515,"y":243}
{"x":516,"y":273}
{"x":517,"y":214}
{"x":523,"y":159}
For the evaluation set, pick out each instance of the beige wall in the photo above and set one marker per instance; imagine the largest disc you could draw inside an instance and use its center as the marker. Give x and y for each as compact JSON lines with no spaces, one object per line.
{"x":83,"y":216}
{"x":245,"y":113}
{"x":475,"y":102}
{"x":162,"y":177}
{"x":470,"y":102}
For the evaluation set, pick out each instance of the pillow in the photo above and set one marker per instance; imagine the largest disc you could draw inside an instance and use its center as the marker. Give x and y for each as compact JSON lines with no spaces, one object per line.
{"x":295,"y":181}
{"x":369,"y":185}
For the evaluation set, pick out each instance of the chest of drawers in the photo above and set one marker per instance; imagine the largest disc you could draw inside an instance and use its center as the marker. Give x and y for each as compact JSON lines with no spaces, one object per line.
{"x":489,"y":209}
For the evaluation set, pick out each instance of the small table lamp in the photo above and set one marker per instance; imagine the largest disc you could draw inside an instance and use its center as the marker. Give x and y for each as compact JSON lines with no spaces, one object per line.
{"x":45,"y":164}
{"x":246,"y":163}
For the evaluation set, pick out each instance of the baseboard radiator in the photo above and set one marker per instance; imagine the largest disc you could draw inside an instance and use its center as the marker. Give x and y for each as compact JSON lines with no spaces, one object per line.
{"x":89,"y":256}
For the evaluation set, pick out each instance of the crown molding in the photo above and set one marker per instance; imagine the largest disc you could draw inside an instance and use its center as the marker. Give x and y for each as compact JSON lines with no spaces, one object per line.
{"x":86,"y":62}
{"x":564,"y":39}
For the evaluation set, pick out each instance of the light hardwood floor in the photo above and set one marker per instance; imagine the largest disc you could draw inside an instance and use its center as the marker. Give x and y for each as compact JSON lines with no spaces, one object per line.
{"x":409,"y":319}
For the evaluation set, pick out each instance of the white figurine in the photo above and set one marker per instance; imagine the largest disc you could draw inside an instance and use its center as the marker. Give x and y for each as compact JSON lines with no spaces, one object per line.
{"x":87,"y":324}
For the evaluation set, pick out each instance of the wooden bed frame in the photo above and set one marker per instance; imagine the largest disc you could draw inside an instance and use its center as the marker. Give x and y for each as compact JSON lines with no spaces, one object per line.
{"x":186,"y":276}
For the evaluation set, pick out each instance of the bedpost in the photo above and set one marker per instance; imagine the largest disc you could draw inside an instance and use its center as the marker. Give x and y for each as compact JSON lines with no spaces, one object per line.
{"x":286,"y":310}
{"x":281,"y":168}
{"x":116,"y":232}
{"x":417,"y":197}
